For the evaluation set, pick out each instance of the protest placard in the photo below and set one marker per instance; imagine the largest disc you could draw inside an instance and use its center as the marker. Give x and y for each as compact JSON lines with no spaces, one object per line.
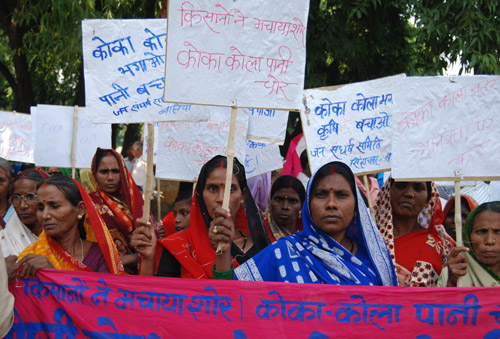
{"x":16,"y":143}
{"x":124,"y":72}
{"x":261,"y":158}
{"x":115,"y":306}
{"x":184,"y":146}
{"x":249,"y":51}
{"x":54,"y":136}
{"x":267,"y":125}
{"x":447,"y":127}
{"x":351,"y":124}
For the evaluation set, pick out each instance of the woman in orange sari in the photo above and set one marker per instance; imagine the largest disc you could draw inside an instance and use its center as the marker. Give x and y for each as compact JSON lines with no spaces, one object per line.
{"x":189,"y":253}
{"x":406,"y":214}
{"x":120,"y":203}
{"x":74,"y":235}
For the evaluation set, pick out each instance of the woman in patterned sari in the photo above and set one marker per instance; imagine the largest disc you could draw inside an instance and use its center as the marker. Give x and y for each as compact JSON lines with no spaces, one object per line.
{"x":120,"y":203}
{"x":406,"y":214}
{"x":74,"y":235}
{"x":340,"y":243}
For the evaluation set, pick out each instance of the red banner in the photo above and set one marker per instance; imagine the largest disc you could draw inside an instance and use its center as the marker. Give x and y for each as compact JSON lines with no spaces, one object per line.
{"x":62,"y":304}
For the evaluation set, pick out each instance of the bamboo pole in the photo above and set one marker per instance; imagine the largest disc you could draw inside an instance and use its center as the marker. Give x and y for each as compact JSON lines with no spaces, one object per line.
{"x":148,"y":192}
{"x":229,"y":171}
{"x":458,"y":221}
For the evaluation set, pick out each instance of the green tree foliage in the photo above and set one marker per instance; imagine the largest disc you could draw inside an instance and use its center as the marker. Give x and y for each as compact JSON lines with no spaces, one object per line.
{"x":465,"y":31}
{"x":350,"y":41}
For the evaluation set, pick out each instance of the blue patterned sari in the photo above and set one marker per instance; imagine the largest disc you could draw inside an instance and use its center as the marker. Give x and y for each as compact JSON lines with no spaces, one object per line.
{"x":312,"y":256}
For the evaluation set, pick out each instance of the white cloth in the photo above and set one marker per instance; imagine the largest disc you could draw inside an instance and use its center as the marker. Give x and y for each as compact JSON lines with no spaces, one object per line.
{"x":130,"y":164}
{"x":6,"y":300}
{"x":139,"y":172}
{"x":16,"y":236}
{"x":495,"y":190}
{"x":481,"y":192}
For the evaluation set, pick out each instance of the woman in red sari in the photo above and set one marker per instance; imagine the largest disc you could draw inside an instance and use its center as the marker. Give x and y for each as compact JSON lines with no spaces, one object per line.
{"x":120,"y":203}
{"x":406,"y":214}
{"x":74,"y":235}
{"x":189,"y":253}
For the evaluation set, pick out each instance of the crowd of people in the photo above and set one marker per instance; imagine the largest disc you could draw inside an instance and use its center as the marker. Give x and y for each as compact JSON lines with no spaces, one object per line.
{"x":324,"y":232}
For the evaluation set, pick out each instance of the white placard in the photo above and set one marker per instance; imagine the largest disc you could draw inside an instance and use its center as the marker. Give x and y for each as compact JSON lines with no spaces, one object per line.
{"x":54,"y":137}
{"x":16,"y":143}
{"x":447,"y":127}
{"x":249,"y":51}
{"x":124,"y":72}
{"x":267,"y":125}
{"x":261,"y":158}
{"x":184,"y":146}
{"x":350,"y":124}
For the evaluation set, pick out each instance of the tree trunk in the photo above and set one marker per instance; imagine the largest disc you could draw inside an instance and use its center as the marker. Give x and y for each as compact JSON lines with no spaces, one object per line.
{"x":24,"y":96}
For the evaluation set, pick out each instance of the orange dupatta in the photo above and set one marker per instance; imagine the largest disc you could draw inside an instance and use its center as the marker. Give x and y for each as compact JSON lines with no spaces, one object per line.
{"x":96,"y":231}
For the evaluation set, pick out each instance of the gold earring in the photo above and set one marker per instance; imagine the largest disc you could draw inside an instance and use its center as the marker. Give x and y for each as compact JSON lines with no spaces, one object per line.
{"x":79,"y":217}
{"x":242,"y":201}
{"x":300,"y":214}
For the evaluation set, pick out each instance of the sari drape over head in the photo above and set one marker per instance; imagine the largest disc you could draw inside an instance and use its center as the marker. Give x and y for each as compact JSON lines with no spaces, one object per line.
{"x":96,"y":231}
{"x":312,"y":256}
{"x":478,"y":275}
{"x":418,"y":256}
{"x":192,"y":247}
{"x":120,"y":215}
{"x":285,"y":181}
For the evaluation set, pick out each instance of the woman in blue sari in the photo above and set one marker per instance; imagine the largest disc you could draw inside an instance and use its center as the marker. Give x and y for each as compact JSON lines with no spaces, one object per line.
{"x":340,"y":243}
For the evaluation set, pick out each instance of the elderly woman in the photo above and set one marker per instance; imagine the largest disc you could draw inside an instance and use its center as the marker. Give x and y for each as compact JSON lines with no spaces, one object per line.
{"x":189,"y":253}
{"x":477,"y":264}
{"x":120,"y":203}
{"x":22,"y":226}
{"x":6,"y":177}
{"x":74,"y":235}
{"x":467,"y":204}
{"x":285,"y":207}
{"x":339,"y":245}
{"x":406,"y":214}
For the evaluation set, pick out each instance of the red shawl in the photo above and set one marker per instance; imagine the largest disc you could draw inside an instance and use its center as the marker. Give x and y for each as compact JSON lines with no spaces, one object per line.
{"x":192,"y":247}
{"x":132,"y":196}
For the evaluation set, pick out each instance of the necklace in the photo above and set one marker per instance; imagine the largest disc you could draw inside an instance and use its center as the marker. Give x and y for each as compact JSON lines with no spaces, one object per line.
{"x":81,"y":245}
{"x":244,"y":239}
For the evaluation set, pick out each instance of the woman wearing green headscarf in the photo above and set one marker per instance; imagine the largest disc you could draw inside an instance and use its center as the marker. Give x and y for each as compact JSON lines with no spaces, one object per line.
{"x":478,"y":264}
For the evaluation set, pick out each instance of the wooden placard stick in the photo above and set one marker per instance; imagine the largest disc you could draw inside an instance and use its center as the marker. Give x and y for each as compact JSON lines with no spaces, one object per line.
{"x":458,"y":220}
{"x":73,"y":144}
{"x":148,"y":192}
{"x":229,"y":170}
{"x":458,"y":214}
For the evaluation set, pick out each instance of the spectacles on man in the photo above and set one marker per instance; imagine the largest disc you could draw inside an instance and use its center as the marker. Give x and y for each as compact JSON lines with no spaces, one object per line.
{"x":29,"y":198}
